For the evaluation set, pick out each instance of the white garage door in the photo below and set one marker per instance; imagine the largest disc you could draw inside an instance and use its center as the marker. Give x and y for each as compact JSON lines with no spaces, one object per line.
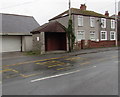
{"x":11,"y":43}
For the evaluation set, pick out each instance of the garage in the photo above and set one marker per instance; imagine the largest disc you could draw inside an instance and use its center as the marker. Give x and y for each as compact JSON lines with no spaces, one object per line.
{"x":55,"y":41}
{"x":11,"y":43}
{"x":15,"y":32}
{"x":50,"y":37}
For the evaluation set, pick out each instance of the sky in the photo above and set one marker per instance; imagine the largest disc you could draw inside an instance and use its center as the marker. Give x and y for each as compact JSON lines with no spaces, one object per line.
{"x":43,"y":10}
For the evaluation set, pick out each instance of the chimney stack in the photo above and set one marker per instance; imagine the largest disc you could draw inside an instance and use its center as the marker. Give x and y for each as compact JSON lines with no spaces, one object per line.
{"x":83,"y":7}
{"x":106,"y":13}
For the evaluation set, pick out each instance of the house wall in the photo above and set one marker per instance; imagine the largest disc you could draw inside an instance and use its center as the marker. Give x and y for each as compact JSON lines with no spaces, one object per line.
{"x":108,"y":28}
{"x":63,"y":21}
{"x":27,"y":43}
{"x":118,"y":29}
{"x":0,"y":43}
{"x":86,"y":26}
{"x":39,"y":45}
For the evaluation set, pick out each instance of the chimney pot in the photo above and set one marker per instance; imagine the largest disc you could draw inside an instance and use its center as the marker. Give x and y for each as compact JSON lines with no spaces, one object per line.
{"x":83,"y":7}
{"x":106,"y":13}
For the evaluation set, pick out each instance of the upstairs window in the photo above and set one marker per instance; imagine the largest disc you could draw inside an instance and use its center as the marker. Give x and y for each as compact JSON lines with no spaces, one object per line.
{"x":92,"y":35}
{"x":80,"y":20}
{"x":80,"y":35}
{"x":103,"y":22}
{"x":112,"y":24}
{"x":92,"y":22}
{"x":112,"y":35}
{"x":103,"y":35}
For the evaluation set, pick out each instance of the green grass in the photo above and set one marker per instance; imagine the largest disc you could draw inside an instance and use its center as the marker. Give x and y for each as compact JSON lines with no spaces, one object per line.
{"x":32,"y":53}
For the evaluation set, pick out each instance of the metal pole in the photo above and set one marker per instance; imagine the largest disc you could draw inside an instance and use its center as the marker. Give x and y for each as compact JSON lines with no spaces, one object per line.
{"x":116,"y":22}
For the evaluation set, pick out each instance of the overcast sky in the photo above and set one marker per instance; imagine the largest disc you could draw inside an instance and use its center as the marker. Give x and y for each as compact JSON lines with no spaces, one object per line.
{"x":43,"y":10}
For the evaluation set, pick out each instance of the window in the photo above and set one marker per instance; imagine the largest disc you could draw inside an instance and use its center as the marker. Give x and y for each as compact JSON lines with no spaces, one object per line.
{"x":92,"y":35}
{"x":112,"y":35}
{"x":80,"y":35}
{"x":103,"y":22}
{"x":92,"y":22}
{"x":103,"y":35}
{"x":38,"y":38}
{"x":112,"y":24}
{"x":80,"y":20}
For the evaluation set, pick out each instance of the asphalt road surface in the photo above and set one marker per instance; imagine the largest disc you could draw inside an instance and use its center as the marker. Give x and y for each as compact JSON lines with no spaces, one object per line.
{"x":88,"y":74}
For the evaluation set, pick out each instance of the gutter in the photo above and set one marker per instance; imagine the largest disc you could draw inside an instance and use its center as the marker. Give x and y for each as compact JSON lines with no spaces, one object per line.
{"x":16,"y":34}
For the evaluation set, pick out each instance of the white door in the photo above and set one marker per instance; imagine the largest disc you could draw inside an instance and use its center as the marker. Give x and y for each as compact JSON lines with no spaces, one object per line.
{"x":11,"y":43}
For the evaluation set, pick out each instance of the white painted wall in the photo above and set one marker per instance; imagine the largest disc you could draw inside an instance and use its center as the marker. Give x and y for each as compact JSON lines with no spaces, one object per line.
{"x":27,"y":43}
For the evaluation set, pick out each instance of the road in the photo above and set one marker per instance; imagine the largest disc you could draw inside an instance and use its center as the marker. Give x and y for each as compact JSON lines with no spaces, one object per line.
{"x":87,"y":74}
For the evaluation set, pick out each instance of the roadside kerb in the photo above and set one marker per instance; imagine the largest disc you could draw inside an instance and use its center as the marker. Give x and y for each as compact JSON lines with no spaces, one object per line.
{"x":66,"y":55}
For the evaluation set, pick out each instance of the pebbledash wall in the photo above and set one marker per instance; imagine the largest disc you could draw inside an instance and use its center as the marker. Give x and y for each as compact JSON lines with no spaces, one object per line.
{"x":39,"y":42}
{"x":87,"y":43}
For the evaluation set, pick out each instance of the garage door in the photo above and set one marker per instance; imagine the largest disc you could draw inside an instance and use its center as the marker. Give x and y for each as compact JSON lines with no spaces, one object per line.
{"x":11,"y":43}
{"x":55,"y":41}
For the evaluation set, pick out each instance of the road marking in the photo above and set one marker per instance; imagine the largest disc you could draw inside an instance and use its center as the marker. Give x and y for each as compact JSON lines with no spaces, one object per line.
{"x":54,"y":76}
{"x":114,"y":56}
{"x":35,"y":61}
{"x":5,"y":70}
{"x":94,"y":66}
{"x":73,"y":58}
{"x":55,"y":65}
{"x":85,"y":63}
{"x":15,"y":71}
{"x":25,"y":76}
{"x":60,"y":68}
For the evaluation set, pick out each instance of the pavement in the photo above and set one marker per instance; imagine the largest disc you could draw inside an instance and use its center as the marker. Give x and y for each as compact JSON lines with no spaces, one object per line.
{"x":8,"y":55}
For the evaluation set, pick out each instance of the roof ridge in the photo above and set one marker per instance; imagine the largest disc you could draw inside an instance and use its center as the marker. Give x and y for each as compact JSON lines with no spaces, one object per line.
{"x":15,"y":14}
{"x":81,"y":12}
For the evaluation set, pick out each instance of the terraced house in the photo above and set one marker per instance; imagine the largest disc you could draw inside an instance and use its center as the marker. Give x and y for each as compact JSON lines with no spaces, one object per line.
{"x":91,"y":29}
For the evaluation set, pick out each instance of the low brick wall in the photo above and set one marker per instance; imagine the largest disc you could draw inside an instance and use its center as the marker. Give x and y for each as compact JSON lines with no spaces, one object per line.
{"x":93,"y":44}
{"x":118,"y":43}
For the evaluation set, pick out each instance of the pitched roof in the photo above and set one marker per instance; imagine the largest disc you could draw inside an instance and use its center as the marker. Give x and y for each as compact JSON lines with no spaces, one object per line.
{"x":12,"y":23}
{"x":80,"y":12}
{"x":50,"y":27}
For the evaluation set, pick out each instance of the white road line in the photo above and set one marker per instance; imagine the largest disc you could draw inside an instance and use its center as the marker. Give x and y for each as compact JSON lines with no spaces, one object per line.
{"x":54,"y":76}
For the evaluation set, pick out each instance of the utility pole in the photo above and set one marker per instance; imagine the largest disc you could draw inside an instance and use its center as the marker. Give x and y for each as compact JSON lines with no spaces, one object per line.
{"x":116,"y":23}
{"x":69,"y":9}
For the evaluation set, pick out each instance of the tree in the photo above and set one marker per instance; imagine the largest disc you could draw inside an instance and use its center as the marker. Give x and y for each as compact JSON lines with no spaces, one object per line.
{"x":70,"y":35}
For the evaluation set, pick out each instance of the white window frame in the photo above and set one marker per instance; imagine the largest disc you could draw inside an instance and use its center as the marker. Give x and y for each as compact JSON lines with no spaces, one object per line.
{"x":93,"y":32}
{"x":78,"y":35}
{"x":111,"y":33}
{"x":103,"y":22}
{"x":105,"y":35}
{"x":112,"y":24}
{"x":80,"y":20}
{"x":92,"y":21}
